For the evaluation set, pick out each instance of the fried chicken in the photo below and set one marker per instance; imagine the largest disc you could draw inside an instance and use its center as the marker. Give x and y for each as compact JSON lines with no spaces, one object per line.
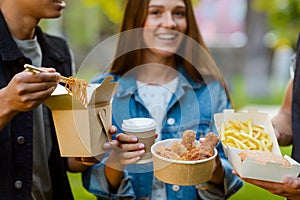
{"x":167,"y":153}
{"x":205,"y":150}
{"x":188,"y":138}
{"x":178,"y":148}
{"x":186,"y":150}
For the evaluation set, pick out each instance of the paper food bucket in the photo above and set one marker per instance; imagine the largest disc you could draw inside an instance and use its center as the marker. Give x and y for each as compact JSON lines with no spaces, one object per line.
{"x":249,"y":168}
{"x":81,"y":129}
{"x":179,"y":172}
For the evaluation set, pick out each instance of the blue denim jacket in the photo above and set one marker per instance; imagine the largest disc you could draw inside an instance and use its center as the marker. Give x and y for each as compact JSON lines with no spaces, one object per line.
{"x":191,"y":107}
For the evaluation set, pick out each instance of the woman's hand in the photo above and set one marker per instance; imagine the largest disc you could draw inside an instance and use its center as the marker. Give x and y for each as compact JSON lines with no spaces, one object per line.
{"x":79,"y":164}
{"x":126,"y":150}
{"x":218,"y":171}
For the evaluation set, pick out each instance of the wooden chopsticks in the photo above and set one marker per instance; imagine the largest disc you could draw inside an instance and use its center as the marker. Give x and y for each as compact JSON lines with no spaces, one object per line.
{"x":34,"y":69}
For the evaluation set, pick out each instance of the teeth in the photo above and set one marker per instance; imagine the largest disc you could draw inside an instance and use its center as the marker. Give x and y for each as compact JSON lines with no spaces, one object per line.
{"x":166,"y":36}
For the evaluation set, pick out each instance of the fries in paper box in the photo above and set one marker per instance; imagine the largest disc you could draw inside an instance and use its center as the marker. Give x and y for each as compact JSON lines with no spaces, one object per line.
{"x":252,"y":131}
{"x":81,"y":128}
{"x":245,"y":135}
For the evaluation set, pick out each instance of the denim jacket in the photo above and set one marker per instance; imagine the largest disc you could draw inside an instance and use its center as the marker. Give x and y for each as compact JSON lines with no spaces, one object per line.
{"x":191,"y":107}
{"x":296,"y":107}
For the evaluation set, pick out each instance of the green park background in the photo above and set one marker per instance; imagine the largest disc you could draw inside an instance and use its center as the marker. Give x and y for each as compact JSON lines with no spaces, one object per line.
{"x":85,"y":23}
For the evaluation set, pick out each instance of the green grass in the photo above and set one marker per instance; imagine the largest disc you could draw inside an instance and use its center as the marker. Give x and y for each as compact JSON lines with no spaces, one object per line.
{"x":248,"y":191}
{"x":79,"y":192}
{"x":240,"y":98}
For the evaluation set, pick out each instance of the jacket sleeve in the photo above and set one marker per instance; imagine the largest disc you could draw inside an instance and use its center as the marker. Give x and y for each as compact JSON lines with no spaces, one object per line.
{"x":232,"y":183}
{"x":94,"y":180}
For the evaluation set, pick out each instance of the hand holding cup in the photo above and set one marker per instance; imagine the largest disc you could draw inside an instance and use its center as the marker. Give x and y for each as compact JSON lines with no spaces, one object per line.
{"x":144,"y":130}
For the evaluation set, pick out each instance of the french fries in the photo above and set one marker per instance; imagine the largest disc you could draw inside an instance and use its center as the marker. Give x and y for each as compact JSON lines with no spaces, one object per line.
{"x":245,"y":135}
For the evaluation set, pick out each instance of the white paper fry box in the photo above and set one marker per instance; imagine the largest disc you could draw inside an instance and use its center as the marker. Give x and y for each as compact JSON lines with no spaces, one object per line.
{"x":79,"y":128}
{"x":249,"y":168}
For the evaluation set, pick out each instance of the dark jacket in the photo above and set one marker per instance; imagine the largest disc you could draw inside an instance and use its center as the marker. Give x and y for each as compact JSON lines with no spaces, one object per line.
{"x":296,"y":107}
{"x":16,"y":136}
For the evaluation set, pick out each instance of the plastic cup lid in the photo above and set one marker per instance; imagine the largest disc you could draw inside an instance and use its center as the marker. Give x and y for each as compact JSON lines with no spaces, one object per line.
{"x":138,"y":124}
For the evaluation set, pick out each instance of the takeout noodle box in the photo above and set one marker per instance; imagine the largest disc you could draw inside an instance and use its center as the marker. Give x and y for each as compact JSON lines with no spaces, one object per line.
{"x":249,"y":168}
{"x":180,"y":172}
{"x":79,"y":128}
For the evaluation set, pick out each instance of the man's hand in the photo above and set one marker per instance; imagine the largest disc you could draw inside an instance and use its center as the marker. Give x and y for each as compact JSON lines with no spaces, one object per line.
{"x":290,"y":188}
{"x":25,"y":92}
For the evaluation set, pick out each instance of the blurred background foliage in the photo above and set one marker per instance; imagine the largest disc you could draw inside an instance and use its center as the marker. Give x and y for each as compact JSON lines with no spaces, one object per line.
{"x":283,"y":17}
{"x":85,"y":22}
{"x":252,"y":70}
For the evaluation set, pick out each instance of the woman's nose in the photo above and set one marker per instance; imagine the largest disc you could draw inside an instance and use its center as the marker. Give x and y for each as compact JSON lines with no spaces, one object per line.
{"x":168,"y":21}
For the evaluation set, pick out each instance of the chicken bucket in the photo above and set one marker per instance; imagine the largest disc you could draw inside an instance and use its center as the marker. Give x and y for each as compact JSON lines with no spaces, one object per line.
{"x":181,"y":172}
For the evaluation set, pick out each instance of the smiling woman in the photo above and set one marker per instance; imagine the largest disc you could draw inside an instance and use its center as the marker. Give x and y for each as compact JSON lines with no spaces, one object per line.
{"x":165,"y":72}
{"x":162,"y":27}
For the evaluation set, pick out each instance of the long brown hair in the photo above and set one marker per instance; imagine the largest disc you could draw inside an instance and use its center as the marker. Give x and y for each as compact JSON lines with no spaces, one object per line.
{"x":193,"y":53}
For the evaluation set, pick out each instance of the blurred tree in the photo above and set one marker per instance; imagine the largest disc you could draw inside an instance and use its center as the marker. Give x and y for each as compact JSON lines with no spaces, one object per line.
{"x":110,"y":8}
{"x":87,"y":20}
{"x":283,"y":19}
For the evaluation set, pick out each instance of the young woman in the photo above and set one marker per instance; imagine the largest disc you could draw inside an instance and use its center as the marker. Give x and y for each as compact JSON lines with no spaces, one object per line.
{"x":165,"y":72}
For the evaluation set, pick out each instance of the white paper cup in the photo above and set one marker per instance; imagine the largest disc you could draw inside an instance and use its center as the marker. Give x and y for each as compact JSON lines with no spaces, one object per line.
{"x":144,"y":130}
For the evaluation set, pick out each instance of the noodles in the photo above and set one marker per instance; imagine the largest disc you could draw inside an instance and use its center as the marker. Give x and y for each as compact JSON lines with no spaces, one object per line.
{"x":77,"y":88}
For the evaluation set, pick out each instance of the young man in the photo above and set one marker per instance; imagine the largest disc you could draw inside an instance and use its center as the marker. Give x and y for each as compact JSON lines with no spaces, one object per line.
{"x":30,"y":162}
{"x":287,"y":128}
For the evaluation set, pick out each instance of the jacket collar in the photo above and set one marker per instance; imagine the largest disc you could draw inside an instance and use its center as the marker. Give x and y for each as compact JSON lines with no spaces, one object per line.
{"x":49,"y":50}
{"x":9,"y":50}
{"x":127,"y":84}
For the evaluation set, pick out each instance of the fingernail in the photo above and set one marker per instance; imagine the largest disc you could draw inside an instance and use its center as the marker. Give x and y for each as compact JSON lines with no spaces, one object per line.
{"x":114,"y":129}
{"x":106,"y":145}
{"x":141,"y":145}
{"x":138,"y":158}
{"x":142,"y":151}
{"x":134,"y":139}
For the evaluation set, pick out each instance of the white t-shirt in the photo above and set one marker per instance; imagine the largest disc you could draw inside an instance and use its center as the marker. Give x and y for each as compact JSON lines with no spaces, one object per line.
{"x":156,"y":99}
{"x":42,"y":142}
